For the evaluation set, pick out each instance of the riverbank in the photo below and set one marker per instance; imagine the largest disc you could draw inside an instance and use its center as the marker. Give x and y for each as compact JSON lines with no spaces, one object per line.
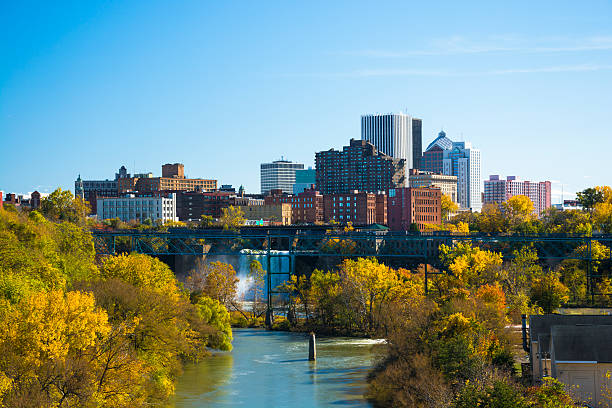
{"x":242,"y":320}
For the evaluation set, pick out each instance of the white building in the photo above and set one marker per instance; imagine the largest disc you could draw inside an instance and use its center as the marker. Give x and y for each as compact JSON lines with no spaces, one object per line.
{"x":279,"y":174}
{"x":396,"y":134}
{"x":138,"y":208}
{"x":463,"y":162}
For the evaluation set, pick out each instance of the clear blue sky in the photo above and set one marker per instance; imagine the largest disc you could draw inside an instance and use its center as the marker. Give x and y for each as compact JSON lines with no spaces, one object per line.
{"x":87,"y":86}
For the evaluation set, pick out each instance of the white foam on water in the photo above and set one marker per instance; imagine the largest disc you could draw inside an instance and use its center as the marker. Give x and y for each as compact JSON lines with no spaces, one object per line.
{"x":355,"y":342}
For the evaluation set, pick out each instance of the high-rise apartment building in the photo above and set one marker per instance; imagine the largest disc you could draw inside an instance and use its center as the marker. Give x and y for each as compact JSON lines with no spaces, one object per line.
{"x":463,"y":162}
{"x":279,"y":174}
{"x":396,"y":134}
{"x":359,"y":166}
{"x":498,"y":190}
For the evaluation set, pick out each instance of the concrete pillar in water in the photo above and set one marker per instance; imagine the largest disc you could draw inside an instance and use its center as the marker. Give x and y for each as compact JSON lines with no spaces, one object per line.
{"x":312,"y":347}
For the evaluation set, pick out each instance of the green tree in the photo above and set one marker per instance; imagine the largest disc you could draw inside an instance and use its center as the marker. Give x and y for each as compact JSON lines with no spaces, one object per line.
{"x":216,"y":315}
{"x":61,"y":205}
{"x":556,"y":221}
{"x":548,"y":292}
{"x":589,"y":197}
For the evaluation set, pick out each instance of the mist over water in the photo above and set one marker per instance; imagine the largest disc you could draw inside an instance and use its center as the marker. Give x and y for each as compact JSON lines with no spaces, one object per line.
{"x":271,"y":369}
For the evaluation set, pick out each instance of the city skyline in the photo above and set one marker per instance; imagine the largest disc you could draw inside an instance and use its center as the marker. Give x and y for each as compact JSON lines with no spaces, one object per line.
{"x":87,"y":88}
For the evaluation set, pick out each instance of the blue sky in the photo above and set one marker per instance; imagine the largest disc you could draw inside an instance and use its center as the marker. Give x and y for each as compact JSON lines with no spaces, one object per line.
{"x":87,"y":86}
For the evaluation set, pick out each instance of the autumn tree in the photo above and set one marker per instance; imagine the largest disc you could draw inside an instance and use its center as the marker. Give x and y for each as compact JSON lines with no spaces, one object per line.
{"x":548,"y":292}
{"x":589,"y":197}
{"x":490,"y":219}
{"x":61,"y":205}
{"x":232,"y":218}
{"x":257,"y":274}
{"x":449,"y":207}
{"x":602,"y":217}
{"x":206,"y":221}
{"x":471,"y":266}
{"x":324,"y":292}
{"x":216,"y":280}
{"x":54,"y":349}
{"x":140,"y":270}
{"x":554,"y":221}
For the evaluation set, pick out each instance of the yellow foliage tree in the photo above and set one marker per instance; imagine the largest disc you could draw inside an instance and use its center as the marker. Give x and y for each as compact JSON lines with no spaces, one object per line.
{"x":232,"y":218}
{"x":602,"y":216}
{"x":449,"y":207}
{"x":216,"y":280}
{"x":518,"y":209}
{"x":140,"y":270}
{"x":471,"y":266}
{"x":55,"y":351}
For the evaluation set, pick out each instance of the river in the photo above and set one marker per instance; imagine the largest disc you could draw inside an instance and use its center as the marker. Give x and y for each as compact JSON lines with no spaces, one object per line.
{"x":271,"y":369}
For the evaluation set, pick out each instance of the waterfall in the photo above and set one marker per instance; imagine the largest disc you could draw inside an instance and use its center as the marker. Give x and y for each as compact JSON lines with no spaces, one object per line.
{"x":279,"y":263}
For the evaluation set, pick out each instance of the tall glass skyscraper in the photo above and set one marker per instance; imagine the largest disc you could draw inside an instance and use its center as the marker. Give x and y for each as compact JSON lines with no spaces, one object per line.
{"x":279,"y":174}
{"x":396,"y":134}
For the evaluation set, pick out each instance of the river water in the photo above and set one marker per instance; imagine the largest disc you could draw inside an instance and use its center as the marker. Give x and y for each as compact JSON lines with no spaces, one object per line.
{"x":271,"y":369}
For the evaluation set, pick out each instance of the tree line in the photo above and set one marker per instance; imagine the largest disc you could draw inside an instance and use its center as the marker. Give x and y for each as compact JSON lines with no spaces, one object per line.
{"x":448,"y":346}
{"x":77,"y":330}
{"x":517,"y":216}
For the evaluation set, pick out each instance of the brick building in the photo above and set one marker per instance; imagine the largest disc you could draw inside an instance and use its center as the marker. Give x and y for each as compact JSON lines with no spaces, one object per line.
{"x":360,"y":208}
{"x":359,"y":166}
{"x":176,"y":170}
{"x":306,"y":207}
{"x":191,"y":205}
{"x":418,"y":206}
{"x":173,"y":178}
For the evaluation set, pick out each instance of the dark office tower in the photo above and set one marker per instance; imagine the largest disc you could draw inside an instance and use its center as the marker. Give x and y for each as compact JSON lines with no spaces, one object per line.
{"x":417,"y":142}
{"x":359,"y":166}
{"x":396,"y":134}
